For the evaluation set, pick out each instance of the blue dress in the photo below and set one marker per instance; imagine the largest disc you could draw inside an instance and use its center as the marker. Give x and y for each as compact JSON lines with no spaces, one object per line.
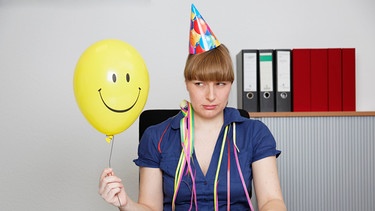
{"x":160,"y":147}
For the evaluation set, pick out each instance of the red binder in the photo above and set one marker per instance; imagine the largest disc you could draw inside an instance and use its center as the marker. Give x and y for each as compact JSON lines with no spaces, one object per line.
{"x":348,"y":79}
{"x":319,"y":80}
{"x":334,"y":80}
{"x":301,"y":79}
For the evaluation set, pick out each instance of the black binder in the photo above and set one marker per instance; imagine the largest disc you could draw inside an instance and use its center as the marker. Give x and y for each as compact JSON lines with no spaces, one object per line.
{"x":282,"y":59}
{"x":266,"y":86}
{"x":247,"y":87}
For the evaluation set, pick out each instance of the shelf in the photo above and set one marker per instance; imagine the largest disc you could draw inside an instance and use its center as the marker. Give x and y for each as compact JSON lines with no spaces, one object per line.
{"x":310,"y":114}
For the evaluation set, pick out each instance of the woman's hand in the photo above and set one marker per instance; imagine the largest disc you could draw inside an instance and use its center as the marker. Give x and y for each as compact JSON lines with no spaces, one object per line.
{"x":111,"y":189}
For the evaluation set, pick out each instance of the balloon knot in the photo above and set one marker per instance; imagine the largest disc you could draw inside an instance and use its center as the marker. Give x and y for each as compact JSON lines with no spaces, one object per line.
{"x":109,"y":138}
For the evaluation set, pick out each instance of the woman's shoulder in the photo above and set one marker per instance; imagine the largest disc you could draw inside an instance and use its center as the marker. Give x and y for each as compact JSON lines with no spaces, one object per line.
{"x":234,"y":115}
{"x":238,"y":115}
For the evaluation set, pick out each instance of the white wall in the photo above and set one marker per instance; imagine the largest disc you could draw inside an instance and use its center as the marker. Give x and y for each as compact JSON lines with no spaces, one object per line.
{"x":50,"y":156}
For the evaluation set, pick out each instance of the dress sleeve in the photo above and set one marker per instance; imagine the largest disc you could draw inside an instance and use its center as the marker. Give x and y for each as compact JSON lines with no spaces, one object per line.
{"x":148,"y":155}
{"x":264,"y":144}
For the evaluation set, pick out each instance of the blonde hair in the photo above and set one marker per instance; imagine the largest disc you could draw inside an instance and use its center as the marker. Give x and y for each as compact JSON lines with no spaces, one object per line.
{"x":213,"y":65}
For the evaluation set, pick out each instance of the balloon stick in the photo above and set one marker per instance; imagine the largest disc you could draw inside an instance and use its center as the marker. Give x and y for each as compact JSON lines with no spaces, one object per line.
{"x":112,"y":140}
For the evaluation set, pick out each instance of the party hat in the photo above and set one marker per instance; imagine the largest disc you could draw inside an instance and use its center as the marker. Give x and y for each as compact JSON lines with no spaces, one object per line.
{"x":202,"y":39}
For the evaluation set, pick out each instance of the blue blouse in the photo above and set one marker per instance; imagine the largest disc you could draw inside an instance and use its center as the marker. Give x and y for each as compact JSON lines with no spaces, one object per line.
{"x":160,"y":147}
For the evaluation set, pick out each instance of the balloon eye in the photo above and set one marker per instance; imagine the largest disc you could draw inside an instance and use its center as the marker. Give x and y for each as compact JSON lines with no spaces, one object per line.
{"x":114,"y":78}
{"x":127,"y":77}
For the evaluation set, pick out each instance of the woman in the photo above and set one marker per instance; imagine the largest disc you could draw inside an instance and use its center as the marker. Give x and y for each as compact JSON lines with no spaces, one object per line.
{"x":206,"y":156}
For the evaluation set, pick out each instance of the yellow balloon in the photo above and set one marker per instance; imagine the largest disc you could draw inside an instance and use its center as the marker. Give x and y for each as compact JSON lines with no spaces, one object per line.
{"x":111,"y":85}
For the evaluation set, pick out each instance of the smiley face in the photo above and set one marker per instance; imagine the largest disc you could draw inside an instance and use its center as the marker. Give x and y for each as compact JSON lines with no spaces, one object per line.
{"x":111,"y":85}
{"x":113,"y":76}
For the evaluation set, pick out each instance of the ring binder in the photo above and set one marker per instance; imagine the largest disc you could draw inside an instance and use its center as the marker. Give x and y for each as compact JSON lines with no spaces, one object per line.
{"x":283,"y":101}
{"x":247,"y":87}
{"x":265,"y":74}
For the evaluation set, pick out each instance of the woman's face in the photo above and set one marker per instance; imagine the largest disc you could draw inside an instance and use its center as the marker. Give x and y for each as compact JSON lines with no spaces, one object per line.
{"x":208,"y":98}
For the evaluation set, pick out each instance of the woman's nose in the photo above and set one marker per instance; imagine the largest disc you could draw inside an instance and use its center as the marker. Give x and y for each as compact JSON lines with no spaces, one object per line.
{"x":211,"y":92}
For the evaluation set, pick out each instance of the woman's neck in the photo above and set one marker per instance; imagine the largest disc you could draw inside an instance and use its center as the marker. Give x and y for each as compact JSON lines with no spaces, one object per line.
{"x":208,"y":123}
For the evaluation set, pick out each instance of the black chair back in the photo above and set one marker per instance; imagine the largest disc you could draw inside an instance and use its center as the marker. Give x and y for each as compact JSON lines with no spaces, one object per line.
{"x":155,"y":116}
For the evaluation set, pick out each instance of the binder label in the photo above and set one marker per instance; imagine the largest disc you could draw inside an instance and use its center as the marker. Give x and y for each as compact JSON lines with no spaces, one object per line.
{"x":283,"y":72}
{"x":250,"y":72}
{"x":265,"y":66}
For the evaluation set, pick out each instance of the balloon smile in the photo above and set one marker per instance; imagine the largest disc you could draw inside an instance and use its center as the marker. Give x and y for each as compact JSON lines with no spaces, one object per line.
{"x":117,"y":110}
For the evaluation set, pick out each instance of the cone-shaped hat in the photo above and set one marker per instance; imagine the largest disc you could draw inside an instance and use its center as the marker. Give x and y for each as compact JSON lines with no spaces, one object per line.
{"x":202,"y":39}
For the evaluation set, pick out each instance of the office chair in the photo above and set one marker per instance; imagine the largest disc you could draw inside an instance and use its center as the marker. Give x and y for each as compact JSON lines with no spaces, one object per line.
{"x":155,"y":116}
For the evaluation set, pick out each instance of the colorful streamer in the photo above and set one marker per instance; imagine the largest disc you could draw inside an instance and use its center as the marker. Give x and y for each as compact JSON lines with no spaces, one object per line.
{"x":184,"y":166}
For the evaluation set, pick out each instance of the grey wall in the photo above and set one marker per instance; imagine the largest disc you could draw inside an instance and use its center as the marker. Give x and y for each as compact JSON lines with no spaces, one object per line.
{"x":50,"y":156}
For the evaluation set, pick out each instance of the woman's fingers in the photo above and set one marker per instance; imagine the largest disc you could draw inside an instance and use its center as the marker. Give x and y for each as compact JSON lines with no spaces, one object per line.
{"x":108,"y":181}
{"x":106,"y":172}
{"x":111,"y":188}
